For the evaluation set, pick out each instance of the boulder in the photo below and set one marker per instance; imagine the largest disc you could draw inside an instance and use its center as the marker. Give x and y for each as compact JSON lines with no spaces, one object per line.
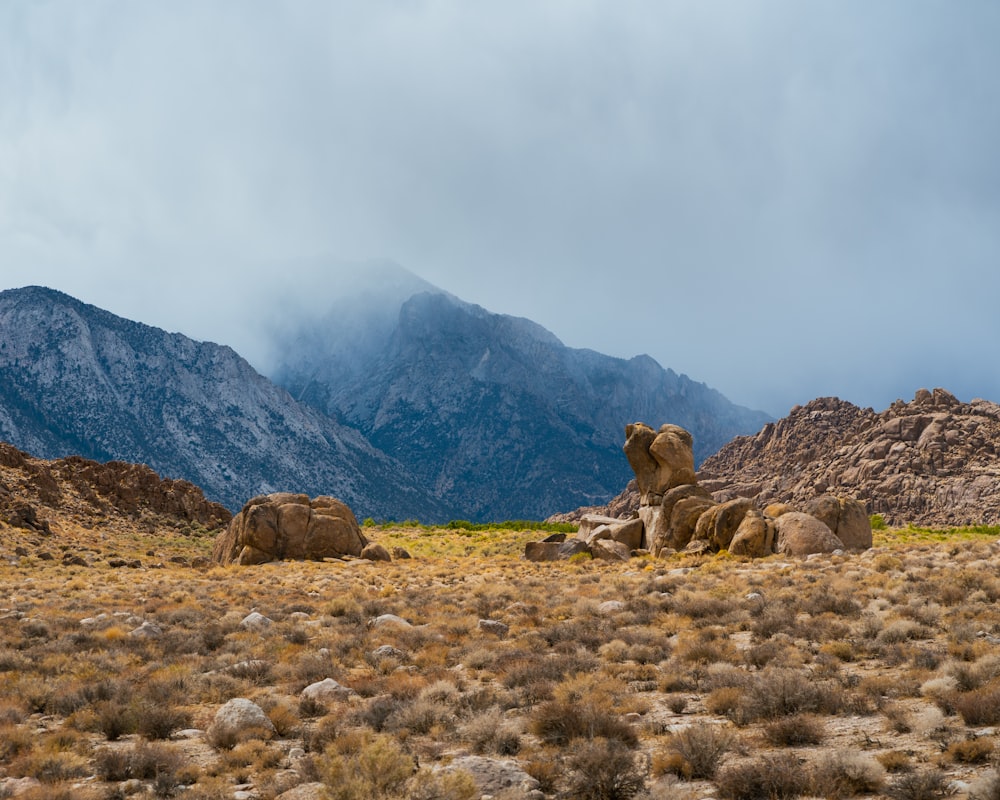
{"x":657,"y":518}
{"x":798,"y":534}
{"x":555,"y":551}
{"x":373,"y":551}
{"x":754,"y":537}
{"x":239,"y":720}
{"x":684,"y":520}
{"x":289,"y":526}
{"x":719,"y":523}
{"x":627,"y":531}
{"x":846,"y":517}
{"x":610,"y":550}
{"x":326,"y":691}
{"x":494,"y":776}
{"x":660,"y":459}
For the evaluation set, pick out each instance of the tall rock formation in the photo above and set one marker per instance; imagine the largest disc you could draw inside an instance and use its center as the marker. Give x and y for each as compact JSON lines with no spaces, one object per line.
{"x":76,"y":380}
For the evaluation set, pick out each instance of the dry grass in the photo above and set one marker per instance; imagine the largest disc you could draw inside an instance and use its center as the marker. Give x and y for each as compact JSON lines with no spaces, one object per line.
{"x":848,"y":675}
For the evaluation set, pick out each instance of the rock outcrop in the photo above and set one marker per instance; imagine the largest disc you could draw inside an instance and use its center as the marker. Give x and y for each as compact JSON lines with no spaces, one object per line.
{"x":933,"y":461}
{"x":286,"y":526}
{"x":674,"y":513}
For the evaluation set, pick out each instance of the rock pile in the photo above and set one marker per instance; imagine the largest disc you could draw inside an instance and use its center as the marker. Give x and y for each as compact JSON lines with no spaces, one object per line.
{"x":675,"y":513}
{"x":289,"y":526}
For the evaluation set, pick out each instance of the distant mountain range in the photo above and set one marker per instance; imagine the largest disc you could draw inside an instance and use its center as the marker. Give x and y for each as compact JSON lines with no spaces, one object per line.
{"x":401,"y":399}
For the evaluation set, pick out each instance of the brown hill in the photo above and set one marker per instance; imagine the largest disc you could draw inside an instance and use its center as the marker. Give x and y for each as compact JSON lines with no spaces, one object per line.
{"x":933,"y":461}
{"x":73,"y":502}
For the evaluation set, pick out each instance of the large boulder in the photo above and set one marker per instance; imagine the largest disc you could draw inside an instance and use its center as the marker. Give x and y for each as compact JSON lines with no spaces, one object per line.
{"x":684,"y":520}
{"x":658,"y":518}
{"x":846,"y":517}
{"x":719,"y":523}
{"x":289,"y":526}
{"x":798,"y":534}
{"x":754,"y":537}
{"x":660,"y":459}
{"x":239,"y":720}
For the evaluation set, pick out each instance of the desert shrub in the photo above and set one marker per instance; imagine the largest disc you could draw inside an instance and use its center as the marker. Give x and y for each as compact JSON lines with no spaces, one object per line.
{"x":147,"y":761}
{"x":700,"y":748}
{"x":491,"y":733}
{"x":560,"y":721}
{"x":546,"y":768}
{"x":159,"y":721}
{"x":676,"y":703}
{"x":375,"y":714}
{"x":377,"y":769}
{"x":420,"y":716}
{"x":925,"y":785}
{"x":979,"y":707}
{"x":50,"y":766}
{"x":604,"y":769}
{"x":840,"y":774}
{"x":430,"y":785}
{"x":794,"y":731}
{"x":283,"y":716}
{"x":970,"y":751}
{"x":777,"y":777}
{"x":725,"y":700}
{"x":777,"y":692}
{"x":317,"y":737}
{"x":14,"y":741}
{"x":895,"y":761}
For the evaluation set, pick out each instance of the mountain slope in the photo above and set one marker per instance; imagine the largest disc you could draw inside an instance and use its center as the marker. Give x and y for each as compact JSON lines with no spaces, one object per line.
{"x":493,"y":413}
{"x":78,"y":380}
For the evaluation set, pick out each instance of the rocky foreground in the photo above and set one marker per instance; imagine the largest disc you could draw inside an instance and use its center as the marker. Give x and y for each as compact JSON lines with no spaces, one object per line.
{"x":933,"y":461}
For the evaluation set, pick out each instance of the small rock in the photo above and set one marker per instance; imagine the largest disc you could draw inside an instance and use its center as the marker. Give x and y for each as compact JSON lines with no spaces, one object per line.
{"x":148,"y":630}
{"x":255,"y":621}
{"x":388,"y":619}
{"x":326,"y":690}
{"x":387,"y":651}
{"x":400,"y":553}
{"x":610,"y":607}
{"x":494,"y":626}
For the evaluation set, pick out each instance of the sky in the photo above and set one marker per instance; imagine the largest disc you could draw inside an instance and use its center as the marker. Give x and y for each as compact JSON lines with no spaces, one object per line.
{"x":781,"y":199}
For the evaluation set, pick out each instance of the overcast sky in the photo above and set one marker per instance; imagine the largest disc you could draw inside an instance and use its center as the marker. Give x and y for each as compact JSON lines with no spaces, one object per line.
{"x":782,"y":199}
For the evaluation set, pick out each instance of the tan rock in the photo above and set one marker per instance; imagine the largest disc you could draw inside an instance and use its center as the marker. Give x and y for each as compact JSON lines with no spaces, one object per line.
{"x":373,"y":551}
{"x":798,"y":534}
{"x":754,"y":537}
{"x":610,"y":550}
{"x":661,"y":460}
{"x":684,"y":520}
{"x":719,"y":523}
{"x":657,"y":519}
{"x":289,"y":526}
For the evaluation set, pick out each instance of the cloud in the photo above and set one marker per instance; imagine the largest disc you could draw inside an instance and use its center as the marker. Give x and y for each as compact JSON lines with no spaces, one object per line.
{"x":780,"y":199}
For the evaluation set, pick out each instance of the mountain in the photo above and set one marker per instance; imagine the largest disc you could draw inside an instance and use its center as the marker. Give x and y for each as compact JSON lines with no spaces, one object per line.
{"x":933,"y":461}
{"x":492,"y":413}
{"x":77,"y":380}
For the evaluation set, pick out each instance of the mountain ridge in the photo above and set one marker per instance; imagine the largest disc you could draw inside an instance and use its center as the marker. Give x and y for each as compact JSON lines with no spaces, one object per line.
{"x":78,"y":380}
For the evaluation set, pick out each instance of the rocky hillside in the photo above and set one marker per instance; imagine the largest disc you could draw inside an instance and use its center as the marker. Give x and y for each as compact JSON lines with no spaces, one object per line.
{"x":493,"y":413}
{"x":72,"y":505}
{"x":76,"y":380}
{"x":933,"y":461}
